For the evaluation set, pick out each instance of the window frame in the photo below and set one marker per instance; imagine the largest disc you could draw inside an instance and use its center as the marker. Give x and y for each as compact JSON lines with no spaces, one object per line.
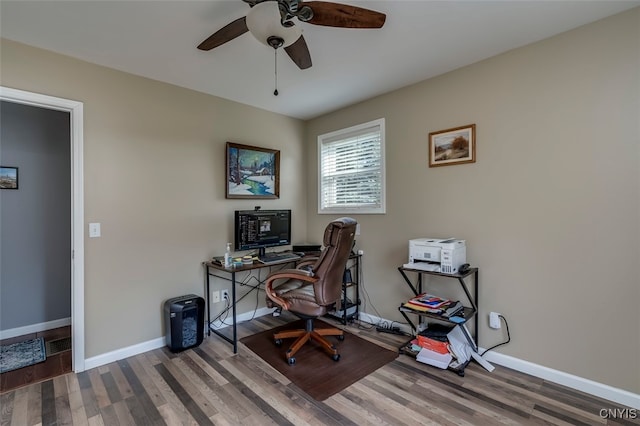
{"x":342,"y":134}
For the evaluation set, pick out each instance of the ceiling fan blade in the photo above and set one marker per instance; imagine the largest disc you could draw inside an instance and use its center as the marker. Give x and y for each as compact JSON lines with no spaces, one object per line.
{"x":225,"y":34}
{"x":299,"y":53}
{"x":345,"y":16}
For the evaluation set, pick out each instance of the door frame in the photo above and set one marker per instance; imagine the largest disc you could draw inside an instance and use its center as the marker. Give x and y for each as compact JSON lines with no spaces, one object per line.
{"x":75,"y":110}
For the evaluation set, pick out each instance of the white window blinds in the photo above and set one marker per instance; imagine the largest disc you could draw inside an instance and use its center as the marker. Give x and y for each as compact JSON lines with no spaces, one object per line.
{"x":352,"y":170}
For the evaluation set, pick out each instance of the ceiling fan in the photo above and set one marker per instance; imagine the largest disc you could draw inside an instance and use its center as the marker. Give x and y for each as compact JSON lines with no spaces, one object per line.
{"x":272,"y":23}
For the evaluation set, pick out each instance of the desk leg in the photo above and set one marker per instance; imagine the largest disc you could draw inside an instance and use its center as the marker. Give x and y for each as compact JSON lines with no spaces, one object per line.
{"x":233,"y":299}
{"x":477,"y":308}
{"x":206,"y":272}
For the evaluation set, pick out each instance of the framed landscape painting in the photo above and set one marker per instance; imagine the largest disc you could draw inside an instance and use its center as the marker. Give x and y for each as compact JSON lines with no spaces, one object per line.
{"x":452,"y":146}
{"x":252,"y":172}
{"x":8,"y":177}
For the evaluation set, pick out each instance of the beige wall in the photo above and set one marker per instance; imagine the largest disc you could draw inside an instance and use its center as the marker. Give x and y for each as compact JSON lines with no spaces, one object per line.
{"x":550,"y":211}
{"x":154,"y":157}
{"x":551,"y":208}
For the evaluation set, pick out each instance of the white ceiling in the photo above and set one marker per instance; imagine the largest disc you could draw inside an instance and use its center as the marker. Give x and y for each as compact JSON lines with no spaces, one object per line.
{"x":420,"y":39}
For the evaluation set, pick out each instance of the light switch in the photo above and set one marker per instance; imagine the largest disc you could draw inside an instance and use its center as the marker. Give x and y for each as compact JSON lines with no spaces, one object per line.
{"x":94,"y":230}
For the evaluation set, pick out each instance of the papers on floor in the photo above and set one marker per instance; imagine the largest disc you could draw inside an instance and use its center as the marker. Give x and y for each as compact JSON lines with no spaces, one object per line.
{"x":459,"y":346}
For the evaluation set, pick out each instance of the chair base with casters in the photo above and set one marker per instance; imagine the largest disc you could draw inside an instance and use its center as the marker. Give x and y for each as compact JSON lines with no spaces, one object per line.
{"x":309,"y":333}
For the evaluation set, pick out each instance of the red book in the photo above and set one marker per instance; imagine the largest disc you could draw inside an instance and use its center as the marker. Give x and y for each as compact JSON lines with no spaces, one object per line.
{"x":433,"y":345}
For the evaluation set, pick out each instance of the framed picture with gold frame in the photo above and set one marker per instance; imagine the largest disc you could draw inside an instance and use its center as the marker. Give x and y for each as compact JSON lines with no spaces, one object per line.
{"x":252,"y":172}
{"x":452,"y":146}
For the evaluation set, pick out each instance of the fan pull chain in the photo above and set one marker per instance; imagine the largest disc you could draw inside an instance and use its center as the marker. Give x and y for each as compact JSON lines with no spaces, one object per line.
{"x":275,"y":61}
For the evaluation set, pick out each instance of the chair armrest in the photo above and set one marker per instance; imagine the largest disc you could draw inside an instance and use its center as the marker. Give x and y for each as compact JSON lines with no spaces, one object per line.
{"x":297,"y":274}
{"x":307,"y":261}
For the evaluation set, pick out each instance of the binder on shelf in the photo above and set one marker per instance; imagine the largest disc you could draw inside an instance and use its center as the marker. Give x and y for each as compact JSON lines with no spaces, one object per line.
{"x":452,"y":310}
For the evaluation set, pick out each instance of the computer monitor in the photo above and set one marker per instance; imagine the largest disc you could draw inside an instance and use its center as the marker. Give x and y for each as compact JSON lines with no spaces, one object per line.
{"x":259,"y":229}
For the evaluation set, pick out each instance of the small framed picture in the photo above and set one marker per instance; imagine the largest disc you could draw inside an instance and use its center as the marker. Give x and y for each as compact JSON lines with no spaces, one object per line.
{"x":252,"y":172}
{"x":452,"y":146}
{"x":8,"y":177}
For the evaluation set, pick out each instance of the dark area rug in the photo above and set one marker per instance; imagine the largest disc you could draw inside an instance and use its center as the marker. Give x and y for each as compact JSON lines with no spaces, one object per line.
{"x":314,"y":371}
{"x":22,"y":354}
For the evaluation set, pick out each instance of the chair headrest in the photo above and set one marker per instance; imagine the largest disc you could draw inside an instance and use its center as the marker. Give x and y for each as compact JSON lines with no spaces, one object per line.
{"x":332,"y":230}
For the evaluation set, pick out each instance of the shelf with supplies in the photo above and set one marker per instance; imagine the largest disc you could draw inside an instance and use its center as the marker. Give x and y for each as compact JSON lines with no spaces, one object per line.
{"x":470,"y":306}
{"x":348,"y":307}
{"x":446,"y":311}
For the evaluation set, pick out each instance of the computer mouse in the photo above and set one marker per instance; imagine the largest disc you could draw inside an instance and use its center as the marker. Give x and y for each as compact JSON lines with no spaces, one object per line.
{"x":464,"y":268}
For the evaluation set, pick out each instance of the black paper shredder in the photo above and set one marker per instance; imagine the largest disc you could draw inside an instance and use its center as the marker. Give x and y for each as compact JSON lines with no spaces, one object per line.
{"x":184,"y":322}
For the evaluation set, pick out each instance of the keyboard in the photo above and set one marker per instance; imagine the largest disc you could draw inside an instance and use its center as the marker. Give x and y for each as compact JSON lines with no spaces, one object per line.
{"x":278,"y":258}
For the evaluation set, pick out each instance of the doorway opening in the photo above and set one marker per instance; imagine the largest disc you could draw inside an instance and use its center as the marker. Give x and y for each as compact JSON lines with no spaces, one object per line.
{"x":75,"y":110}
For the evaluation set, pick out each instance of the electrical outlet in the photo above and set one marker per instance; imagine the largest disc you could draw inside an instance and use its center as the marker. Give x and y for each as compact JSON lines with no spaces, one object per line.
{"x":494,"y":320}
{"x":225,"y":295}
{"x":215,"y":296}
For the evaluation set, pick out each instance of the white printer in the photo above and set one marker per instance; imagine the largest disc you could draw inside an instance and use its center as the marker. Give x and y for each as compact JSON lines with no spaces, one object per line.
{"x":439,"y":255}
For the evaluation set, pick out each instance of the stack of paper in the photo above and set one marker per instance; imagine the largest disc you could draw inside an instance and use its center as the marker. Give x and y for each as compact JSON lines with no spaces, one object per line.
{"x":428,"y":356}
{"x":433,"y":352}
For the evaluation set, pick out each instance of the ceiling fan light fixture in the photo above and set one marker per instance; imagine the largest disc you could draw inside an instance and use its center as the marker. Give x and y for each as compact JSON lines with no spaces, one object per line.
{"x":275,"y":42}
{"x":264,"y":22}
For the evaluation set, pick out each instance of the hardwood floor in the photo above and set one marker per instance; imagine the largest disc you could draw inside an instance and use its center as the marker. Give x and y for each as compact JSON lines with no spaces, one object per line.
{"x":211,"y":385}
{"x":54,"y":365}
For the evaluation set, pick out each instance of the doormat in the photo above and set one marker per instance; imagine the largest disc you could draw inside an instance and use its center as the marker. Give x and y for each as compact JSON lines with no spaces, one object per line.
{"x":22,"y":354}
{"x":58,"y":345}
{"x":314,"y":371}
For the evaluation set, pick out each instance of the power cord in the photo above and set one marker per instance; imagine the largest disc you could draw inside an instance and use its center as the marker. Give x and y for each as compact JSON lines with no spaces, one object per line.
{"x":247,"y":282}
{"x":384,"y":327}
{"x":506,"y":325}
{"x":365,"y":325}
{"x":222,"y":316}
{"x":366,"y":299}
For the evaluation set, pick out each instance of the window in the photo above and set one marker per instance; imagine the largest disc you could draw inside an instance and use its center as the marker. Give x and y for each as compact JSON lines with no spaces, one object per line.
{"x":351,"y":170}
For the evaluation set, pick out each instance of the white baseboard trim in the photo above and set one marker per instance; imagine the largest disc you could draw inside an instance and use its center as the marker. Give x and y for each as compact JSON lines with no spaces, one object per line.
{"x":34,"y":328}
{"x":591,"y":387}
{"x":600,"y":390}
{"x":247,"y":316}
{"x":122,"y":353}
{"x":150,"y":345}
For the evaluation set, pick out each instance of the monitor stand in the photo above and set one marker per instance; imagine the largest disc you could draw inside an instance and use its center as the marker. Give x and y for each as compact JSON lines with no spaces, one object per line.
{"x":262,"y":253}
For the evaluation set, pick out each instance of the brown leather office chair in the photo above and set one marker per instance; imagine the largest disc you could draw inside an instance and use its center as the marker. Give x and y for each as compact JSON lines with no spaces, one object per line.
{"x":311,"y":293}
